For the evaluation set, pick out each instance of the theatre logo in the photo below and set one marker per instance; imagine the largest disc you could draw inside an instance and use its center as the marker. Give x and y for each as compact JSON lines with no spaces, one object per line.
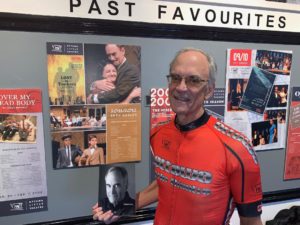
{"x":17,"y":206}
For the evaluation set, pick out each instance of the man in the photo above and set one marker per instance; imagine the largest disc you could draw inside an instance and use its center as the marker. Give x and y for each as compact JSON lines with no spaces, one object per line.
{"x":118,"y":200}
{"x":204,"y":168}
{"x":127,"y":79}
{"x":274,"y":99}
{"x":26,"y":128}
{"x":92,"y":155}
{"x":68,"y":155}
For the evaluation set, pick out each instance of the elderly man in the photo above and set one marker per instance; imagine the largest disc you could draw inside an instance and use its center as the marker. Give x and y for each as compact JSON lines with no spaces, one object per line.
{"x":118,"y":200}
{"x":204,"y":168}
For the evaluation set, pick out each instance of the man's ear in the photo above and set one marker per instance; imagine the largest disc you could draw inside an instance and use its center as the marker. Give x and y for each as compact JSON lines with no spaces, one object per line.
{"x":210,"y":91}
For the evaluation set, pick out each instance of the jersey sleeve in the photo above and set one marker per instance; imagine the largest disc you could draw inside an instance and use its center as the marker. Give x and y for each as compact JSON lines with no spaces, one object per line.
{"x":245,"y":180}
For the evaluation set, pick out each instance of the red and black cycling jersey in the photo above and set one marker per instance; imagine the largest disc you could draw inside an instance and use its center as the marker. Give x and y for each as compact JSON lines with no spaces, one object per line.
{"x":204,"y":170}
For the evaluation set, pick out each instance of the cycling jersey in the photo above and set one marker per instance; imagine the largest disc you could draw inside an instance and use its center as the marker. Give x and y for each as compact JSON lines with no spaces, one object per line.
{"x":204,"y":170}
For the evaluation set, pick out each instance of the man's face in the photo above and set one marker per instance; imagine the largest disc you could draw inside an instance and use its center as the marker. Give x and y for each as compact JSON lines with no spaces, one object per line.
{"x":187,"y":102}
{"x":67,"y":141}
{"x":110,"y":73}
{"x":93,"y":142}
{"x":115,"y":54}
{"x":115,"y":187}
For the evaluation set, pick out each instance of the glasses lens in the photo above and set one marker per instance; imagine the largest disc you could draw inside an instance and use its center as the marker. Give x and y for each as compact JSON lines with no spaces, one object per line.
{"x":190,"y":81}
{"x":193,"y":81}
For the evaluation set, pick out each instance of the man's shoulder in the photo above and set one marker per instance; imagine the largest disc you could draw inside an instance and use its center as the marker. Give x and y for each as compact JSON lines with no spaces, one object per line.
{"x":161,"y":126}
{"x":234,"y":140}
{"x":225,"y":131}
{"x":126,"y":66}
{"x":75,"y":147}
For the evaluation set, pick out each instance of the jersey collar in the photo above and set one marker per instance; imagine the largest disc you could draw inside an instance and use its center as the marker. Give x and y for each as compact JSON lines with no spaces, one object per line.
{"x":194,"y":124}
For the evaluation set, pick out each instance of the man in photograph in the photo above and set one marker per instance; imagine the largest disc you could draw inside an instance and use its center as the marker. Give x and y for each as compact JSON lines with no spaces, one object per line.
{"x":274,"y":99}
{"x":118,"y":199}
{"x":26,"y":128}
{"x":128,"y":78}
{"x":68,"y":155}
{"x":93,"y":155}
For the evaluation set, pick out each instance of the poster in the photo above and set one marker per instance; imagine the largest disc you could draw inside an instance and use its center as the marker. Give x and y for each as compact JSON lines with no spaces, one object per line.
{"x":257,"y":87}
{"x":215,"y":105}
{"x":160,"y":110}
{"x":87,"y":84}
{"x":292,"y":155}
{"x":22,"y":152}
{"x":124,"y":133}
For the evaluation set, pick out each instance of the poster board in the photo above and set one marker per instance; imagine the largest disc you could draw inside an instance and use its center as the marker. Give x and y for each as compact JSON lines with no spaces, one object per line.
{"x":24,"y":64}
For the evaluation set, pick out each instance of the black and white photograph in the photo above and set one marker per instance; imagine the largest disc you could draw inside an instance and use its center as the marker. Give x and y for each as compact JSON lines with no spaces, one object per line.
{"x":117,"y":189}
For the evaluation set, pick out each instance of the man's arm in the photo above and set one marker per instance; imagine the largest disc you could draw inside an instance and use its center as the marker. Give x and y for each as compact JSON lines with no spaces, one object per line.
{"x":147,"y":196}
{"x":128,"y":78}
{"x":250,"y":221}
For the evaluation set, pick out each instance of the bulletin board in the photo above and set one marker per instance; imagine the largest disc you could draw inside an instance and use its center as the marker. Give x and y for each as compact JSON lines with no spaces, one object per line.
{"x":23,"y":63}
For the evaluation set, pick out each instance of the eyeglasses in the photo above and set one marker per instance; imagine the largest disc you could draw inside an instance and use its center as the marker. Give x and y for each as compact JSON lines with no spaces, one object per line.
{"x":190,"y":81}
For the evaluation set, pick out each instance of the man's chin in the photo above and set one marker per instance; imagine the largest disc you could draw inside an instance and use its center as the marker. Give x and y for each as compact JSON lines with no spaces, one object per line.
{"x":180,"y":110}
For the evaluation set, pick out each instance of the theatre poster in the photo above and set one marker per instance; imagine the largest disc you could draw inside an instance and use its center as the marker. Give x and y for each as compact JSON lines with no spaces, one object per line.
{"x":256,"y":100}
{"x":23,"y":186}
{"x":292,"y":155}
{"x":76,"y":72}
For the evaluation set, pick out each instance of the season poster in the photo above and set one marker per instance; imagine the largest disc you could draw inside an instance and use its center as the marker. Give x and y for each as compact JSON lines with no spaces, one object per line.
{"x":22,"y":153}
{"x":292,"y":155}
{"x":85,"y":80}
{"x":160,"y":110}
{"x":257,"y":87}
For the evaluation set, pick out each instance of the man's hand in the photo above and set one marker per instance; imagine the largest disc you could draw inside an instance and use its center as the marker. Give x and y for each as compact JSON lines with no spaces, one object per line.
{"x":103,"y":85}
{"x":107,"y":217}
{"x":89,"y":99}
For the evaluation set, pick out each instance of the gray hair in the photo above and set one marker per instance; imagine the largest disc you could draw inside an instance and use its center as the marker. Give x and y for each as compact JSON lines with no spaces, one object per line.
{"x":211,"y":63}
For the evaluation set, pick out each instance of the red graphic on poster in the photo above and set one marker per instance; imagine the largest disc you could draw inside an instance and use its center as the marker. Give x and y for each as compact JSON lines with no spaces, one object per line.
{"x":292,"y":160}
{"x":160,"y":107}
{"x":240,"y":57}
{"x":20,"y":100}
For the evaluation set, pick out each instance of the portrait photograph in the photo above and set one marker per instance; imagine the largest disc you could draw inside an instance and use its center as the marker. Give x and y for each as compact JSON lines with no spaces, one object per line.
{"x":117,"y":188}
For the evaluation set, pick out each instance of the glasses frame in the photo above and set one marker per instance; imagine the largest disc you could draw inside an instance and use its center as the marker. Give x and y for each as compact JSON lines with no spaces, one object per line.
{"x":187,"y":80}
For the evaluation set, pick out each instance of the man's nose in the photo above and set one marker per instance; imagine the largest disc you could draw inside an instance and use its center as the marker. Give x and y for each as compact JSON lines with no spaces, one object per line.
{"x":182,"y":85}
